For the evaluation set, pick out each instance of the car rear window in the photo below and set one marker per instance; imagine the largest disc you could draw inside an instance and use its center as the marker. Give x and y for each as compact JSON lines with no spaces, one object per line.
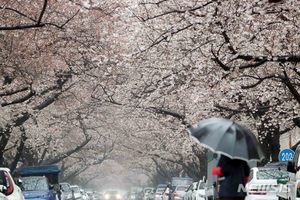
{"x":160,"y":190}
{"x":201,"y":186}
{"x":75,"y":189}
{"x":264,"y":174}
{"x":66,"y":187}
{"x":182,"y":188}
{"x":35,"y":183}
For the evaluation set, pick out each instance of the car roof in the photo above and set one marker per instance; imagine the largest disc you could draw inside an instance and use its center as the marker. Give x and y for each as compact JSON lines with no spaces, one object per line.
{"x":74,"y":186}
{"x":64,"y":183}
{"x":5,"y":169}
{"x":266,"y":168}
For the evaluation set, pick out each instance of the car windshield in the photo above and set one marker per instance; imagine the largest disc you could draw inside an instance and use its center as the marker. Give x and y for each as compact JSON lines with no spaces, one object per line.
{"x":148,"y":190}
{"x":65,"y":187}
{"x":35,"y":183}
{"x":160,"y":190}
{"x":75,"y":189}
{"x":112,"y":192}
{"x":201,"y":185}
{"x":264,"y":174}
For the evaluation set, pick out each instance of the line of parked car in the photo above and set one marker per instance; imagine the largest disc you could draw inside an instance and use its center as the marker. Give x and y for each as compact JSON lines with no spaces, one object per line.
{"x":179,"y":189}
{"x":39,"y":183}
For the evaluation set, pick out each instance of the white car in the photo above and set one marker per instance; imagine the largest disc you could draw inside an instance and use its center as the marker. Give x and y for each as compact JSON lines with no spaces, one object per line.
{"x":158,"y":195}
{"x":189,"y":192}
{"x":179,"y":192}
{"x":3,"y":197}
{"x":263,"y":183}
{"x":84,"y":194}
{"x":66,"y":191}
{"x":199,"y":192}
{"x":148,"y":193}
{"x":8,"y":186}
{"x":76,"y":192}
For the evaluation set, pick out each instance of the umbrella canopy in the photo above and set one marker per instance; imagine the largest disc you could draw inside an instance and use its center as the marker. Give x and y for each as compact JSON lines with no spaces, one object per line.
{"x":228,"y":138}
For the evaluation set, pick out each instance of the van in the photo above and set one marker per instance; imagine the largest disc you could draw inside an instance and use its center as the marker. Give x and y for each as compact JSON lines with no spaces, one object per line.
{"x":293,"y":186}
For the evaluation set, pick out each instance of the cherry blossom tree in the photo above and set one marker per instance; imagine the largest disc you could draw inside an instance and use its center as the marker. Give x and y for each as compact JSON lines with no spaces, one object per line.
{"x":200,"y":56}
{"x":47,"y":54}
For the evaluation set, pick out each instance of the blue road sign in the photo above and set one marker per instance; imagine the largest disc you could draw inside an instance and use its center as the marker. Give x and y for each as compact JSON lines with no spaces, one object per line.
{"x":286,"y":155}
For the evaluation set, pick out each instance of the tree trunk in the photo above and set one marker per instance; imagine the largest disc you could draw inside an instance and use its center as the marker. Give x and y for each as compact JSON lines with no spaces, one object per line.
{"x":19,"y":149}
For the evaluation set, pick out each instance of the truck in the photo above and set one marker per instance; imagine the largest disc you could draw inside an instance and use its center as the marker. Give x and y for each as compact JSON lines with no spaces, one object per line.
{"x":292,"y":188}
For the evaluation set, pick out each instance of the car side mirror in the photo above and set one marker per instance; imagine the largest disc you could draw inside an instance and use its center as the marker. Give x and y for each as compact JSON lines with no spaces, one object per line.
{"x":291,"y":167}
{"x":19,"y":181}
{"x":3,"y":189}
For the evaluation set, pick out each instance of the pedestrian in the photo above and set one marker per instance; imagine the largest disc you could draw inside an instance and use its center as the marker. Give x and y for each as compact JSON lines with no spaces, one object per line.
{"x":233,"y":174}
{"x":169,"y":191}
{"x":73,"y":195}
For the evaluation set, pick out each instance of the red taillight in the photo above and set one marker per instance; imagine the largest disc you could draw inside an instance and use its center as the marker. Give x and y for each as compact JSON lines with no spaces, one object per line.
{"x":175,"y":194}
{"x":10,"y":186}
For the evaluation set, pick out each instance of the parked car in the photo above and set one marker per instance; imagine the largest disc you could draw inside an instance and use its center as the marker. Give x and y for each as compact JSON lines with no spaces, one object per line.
{"x":189,"y":192}
{"x":148,"y":193}
{"x":181,"y":181}
{"x":263,"y":183}
{"x":37,"y":187}
{"x":76,"y":192}
{"x":8,"y":187}
{"x":159,"y":191}
{"x":90,"y":195}
{"x":66,"y":191}
{"x":199,"y":192}
{"x":167,"y":194}
{"x":2,"y":196}
{"x":179,"y":192}
{"x":84,"y":194}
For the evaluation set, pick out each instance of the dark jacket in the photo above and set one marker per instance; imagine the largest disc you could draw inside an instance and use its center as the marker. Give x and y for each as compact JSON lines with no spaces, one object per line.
{"x":234,"y":174}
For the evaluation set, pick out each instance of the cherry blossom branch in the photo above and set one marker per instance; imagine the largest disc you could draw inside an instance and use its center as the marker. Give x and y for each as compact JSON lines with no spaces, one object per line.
{"x":259,"y":81}
{"x":27,"y":26}
{"x":291,"y":87}
{"x":74,"y":150}
{"x":12,"y":92}
{"x":176,"y":115}
{"x":178,"y":11}
{"x":36,"y":23}
{"x":20,"y":100}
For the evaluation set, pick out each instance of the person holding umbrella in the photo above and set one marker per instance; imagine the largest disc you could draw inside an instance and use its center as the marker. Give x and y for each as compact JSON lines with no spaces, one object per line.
{"x":233,"y":174}
{"x":236,"y":145}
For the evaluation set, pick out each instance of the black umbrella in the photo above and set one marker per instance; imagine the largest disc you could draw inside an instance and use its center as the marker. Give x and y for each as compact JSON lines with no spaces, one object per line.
{"x":228,"y":138}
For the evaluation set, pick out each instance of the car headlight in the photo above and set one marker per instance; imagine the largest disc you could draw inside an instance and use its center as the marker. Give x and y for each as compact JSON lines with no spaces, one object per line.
{"x":119,"y":196}
{"x":106,"y":196}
